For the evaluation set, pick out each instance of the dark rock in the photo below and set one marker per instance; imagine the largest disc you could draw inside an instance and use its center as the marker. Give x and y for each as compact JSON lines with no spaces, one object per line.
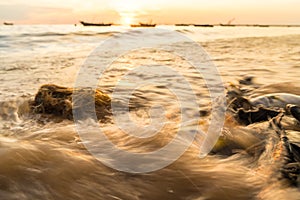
{"x":58,"y":101}
{"x":294,"y":110}
{"x":247,"y":80}
{"x":257,"y":115}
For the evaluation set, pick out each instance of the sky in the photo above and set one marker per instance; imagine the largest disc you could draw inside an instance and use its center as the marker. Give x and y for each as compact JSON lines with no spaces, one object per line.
{"x":158,"y":11}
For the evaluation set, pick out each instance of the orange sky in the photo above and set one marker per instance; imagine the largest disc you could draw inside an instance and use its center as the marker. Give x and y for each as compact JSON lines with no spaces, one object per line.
{"x":159,"y":11}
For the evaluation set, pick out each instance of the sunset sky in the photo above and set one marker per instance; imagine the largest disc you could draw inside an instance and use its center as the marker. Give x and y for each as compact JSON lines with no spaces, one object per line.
{"x":159,"y":11}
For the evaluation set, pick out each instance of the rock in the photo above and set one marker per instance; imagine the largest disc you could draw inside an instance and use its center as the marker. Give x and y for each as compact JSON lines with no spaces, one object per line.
{"x":57,"y":100}
{"x":294,"y":110}
{"x":247,"y":80}
{"x":280,"y":100}
{"x":259,"y":114}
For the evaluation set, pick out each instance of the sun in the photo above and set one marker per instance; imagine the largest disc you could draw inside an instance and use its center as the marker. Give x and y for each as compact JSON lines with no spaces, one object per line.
{"x":128,"y":10}
{"x":127,"y":20}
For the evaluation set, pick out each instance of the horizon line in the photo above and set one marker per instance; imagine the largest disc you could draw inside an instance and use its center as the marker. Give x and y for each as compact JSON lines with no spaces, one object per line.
{"x":186,"y":24}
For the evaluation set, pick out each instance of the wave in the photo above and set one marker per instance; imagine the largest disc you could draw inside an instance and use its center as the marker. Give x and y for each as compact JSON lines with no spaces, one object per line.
{"x":49,"y":34}
{"x":43,"y":161}
{"x":56,"y":34}
{"x":13,"y":110}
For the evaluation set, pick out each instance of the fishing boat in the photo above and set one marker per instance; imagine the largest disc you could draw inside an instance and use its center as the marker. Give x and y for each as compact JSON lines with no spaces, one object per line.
{"x":94,"y":24}
{"x":182,"y":24}
{"x":203,"y":25}
{"x":231,"y":25}
{"x":143,"y":25}
{"x":264,"y":26}
{"x":8,"y":23}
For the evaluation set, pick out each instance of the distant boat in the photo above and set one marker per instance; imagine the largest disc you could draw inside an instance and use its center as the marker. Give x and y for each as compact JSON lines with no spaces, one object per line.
{"x":182,"y":24}
{"x":227,"y":25}
{"x":203,"y":25}
{"x":94,"y":24}
{"x":264,"y":26}
{"x":143,"y":25}
{"x":8,"y":23}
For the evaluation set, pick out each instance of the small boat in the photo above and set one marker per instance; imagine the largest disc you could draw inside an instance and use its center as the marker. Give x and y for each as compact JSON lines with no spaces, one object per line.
{"x":264,"y":26}
{"x":182,"y":24}
{"x":8,"y":23}
{"x":143,"y":25}
{"x":94,"y":24}
{"x":203,"y":25}
{"x":231,"y":25}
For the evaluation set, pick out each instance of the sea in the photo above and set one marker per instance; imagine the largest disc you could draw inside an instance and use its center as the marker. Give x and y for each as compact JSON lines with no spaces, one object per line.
{"x":47,"y":158}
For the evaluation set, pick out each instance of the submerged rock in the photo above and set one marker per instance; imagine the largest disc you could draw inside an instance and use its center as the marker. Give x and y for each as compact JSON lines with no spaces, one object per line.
{"x":261,"y":108}
{"x":257,"y":127}
{"x":58,"y":101}
{"x":276,"y":100}
{"x":294,"y":110}
{"x":259,"y":114}
{"x":246,"y":80}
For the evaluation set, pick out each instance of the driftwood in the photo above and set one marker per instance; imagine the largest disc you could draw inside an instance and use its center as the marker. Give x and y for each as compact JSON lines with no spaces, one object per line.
{"x":58,"y":101}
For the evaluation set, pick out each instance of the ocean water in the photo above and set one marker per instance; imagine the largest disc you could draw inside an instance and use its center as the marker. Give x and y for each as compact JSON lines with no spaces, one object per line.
{"x":45,"y":158}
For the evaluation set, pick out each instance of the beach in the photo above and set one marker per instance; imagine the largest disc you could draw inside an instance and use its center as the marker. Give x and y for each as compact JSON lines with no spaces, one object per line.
{"x":45,"y":158}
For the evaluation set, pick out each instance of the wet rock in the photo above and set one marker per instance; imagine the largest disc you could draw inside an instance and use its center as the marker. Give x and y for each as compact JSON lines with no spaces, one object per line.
{"x":291,"y":171}
{"x":240,"y":103}
{"x":260,"y":114}
{"x":272,"y":100}
{"x":246,"y":80}
{"x":58,"y":101}
{"x":260,"y":128}
{"x":294,"y":111}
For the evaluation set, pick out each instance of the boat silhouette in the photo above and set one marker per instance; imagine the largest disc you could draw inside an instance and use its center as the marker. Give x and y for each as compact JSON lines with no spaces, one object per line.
{"x":203,"y":25}
{"x":182,"y":24}
{"x":8,"y":23}
{"x":143,"y":25}
{"x":94,"y":24}
{"x":227,"y":25}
